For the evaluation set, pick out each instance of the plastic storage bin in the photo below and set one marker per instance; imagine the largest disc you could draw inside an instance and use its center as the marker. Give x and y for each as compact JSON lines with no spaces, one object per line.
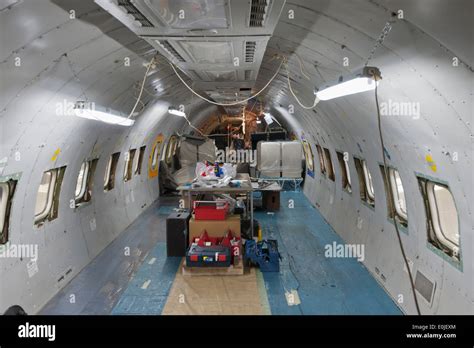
{"x":211,"y":210}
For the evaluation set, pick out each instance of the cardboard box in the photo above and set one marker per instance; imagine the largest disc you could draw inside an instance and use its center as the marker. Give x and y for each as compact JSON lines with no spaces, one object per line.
{"x":214,"y":228}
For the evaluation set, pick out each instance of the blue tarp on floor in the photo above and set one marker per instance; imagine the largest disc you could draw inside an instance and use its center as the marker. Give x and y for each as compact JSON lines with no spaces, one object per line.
{"x":148,"y":290}
{"x":324,"y":285}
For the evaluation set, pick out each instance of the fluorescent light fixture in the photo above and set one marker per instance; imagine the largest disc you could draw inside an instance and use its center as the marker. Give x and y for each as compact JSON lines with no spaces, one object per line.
{"x":103,"y":115}
{"x":174,"y":111}
{"x":364,"y":81}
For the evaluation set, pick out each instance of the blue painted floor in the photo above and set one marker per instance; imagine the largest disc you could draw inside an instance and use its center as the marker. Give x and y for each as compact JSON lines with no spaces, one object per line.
{"x":148,"y":291}
{"x":324,"y":285}
{"x":99,"y":286}
{"x":141,"y":284}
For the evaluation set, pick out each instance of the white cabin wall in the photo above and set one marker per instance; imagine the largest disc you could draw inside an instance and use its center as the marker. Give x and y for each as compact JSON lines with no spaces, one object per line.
{"x":32,"y":132}
{"x":415,"y":67}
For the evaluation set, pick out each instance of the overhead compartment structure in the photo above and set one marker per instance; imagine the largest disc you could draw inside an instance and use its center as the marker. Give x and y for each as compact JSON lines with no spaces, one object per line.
{"x":219,"y":44}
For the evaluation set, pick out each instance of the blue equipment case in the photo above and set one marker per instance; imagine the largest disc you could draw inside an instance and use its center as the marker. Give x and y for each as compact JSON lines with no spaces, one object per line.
{"x":208,"y":256}
{"x":264,"y":254}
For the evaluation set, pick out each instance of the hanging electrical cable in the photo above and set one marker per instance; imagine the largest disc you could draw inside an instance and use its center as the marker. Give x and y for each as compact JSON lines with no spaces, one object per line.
{"x":302,"y":68}
{"x":142,"y":86}
{"x":390,"y":196}
{"x":316,"y":100}
{"x":225,"y":104}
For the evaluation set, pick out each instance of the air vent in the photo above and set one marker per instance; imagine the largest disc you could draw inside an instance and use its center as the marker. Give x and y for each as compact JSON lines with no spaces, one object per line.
{"x":132,"y":10}
{"x":250,"y":51}
{"x":248,"y":74}
{"x":258,"y":10}
{"x":424,"y":286}
{"x":170,"y":49}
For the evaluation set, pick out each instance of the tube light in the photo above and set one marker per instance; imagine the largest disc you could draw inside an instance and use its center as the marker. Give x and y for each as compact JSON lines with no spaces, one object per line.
{"x":176,"y":112}
{"x":364,"y":81}
{"x":103,"y":116}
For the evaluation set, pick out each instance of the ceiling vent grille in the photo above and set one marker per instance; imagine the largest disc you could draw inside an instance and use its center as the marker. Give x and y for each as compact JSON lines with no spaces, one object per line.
{"x":424,"y":286}
{"x":131,"y":9}
{"x":170,"y":49}
{"x":258,"y":10}
{"x":250,"y":51}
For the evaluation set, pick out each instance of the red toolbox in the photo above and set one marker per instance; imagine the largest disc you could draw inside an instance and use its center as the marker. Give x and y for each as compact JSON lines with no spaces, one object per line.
{"x":211,"y":210}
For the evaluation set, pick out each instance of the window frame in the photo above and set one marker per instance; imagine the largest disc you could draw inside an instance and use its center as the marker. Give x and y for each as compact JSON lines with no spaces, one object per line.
{"x":110,"y":171}
{"x":79,"y":196}
{"x":452,"y":254}
{"x":155,"y":156}
{"x":363,"y":188}
{"x":435,"y":216}
{"x":322,"y":164}
{"x":395,"y":194}
{"x":328,"y":162}
{"x":345,"y":172}
{"x":139,"y":161}
{"x":308,"y":151}
{"x":44,"y":213}
{"x":11,"y":183}
{"x":87,"y":183}
{"x":4,"y":200}
{"x":170,"y":149}
{"x":369,"y":184}
{"x":391,"y":195}
{"x":128,"y":165}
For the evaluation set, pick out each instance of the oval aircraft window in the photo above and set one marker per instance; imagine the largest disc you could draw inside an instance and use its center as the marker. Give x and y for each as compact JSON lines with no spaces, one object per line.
{"x":446,"y":224}
{"x":308,"y":154}
{"x":109,"y":176}
{"x":170,"y":149}
{"x":398,"y":194}
{"x":81,"y":180}
{"x":368,"y":181}
{"x":4,"y":193}
{"x":7,"y":190}
{"x":154,"y":158}
{"x":443,"y":224}
{"x":107,"y":172}
{"x":321,"y":159}
{"x":44,"y":198}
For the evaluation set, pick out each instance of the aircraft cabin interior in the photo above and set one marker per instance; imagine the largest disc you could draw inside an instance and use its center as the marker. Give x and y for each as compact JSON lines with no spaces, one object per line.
{"x":226,"y":157}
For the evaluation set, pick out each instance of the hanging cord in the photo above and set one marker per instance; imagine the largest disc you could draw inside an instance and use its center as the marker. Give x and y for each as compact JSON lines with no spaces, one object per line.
{"x":390,"y":194}
{"x":316,"y":100}
{"x":225,"y":104}
{"x":142,"y":86}
{"x":302,"y":68}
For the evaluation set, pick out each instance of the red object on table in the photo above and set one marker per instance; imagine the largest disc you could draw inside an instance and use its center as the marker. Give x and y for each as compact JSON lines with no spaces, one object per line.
{"x":211,"y":210}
